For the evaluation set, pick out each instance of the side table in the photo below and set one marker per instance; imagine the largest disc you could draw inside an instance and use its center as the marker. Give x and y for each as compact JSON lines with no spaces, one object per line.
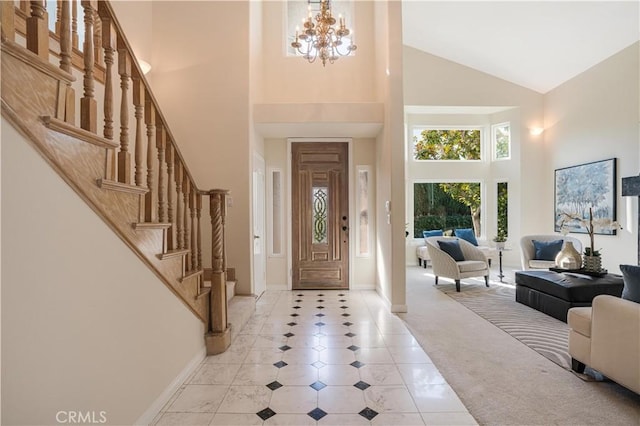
{"x":500,"y":250}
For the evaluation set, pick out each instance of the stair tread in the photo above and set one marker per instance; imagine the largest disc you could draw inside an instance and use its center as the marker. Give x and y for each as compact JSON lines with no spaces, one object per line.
{"x":77,"y":132}
{"x":191,"y":274}
{"x":113,"y":185}
{"x":150,"y":225}
{"x":173,"y":253}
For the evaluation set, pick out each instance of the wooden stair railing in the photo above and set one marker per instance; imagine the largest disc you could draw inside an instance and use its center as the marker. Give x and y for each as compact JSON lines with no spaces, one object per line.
{"x":139,"y":185}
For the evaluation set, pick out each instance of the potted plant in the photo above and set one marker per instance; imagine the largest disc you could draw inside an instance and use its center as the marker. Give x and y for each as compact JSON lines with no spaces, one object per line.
{"x":500,"y":239}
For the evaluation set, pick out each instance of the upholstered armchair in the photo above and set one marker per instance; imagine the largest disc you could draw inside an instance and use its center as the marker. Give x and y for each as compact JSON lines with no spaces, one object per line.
{"x":473,"y":262}
{"x":528,"y":252}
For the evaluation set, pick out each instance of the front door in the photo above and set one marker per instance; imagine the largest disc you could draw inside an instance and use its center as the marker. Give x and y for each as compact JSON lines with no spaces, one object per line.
{"x":320,"y":215}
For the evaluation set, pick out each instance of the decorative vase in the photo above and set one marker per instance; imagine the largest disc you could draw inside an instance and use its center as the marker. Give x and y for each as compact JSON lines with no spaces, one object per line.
{"x":568,"y":257}
{"x":592,"y":263}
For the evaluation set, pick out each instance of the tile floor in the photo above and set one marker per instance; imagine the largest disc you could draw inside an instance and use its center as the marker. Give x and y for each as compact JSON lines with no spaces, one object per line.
{"x":320,"y":357}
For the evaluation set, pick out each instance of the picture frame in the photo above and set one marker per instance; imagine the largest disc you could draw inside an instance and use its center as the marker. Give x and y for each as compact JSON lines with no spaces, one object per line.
{"x":589,"y":185}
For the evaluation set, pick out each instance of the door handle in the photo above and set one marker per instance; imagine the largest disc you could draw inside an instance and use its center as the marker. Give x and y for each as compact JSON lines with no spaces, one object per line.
{"x":255,"y":237}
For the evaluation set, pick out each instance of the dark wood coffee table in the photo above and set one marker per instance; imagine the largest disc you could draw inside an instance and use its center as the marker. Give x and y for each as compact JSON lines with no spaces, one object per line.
{"x":554,"y":293}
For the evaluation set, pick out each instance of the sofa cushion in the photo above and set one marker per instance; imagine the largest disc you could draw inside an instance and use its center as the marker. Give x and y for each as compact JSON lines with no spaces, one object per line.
{"x":452,"y":248}
{"x":466,"y":234}
{"x":547,"y":250}
{"x":471,"y":265}
{"x":631,"y":278}
{"x":432,"y":233}
{"x":579,"y":319}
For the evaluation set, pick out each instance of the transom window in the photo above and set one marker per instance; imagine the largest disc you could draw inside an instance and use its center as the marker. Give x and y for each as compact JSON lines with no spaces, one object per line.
{"x":447,"y":144}
{"x":501,"y":141}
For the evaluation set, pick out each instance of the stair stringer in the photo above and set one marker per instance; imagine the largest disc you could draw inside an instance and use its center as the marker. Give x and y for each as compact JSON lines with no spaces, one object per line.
{"x":29,"y":91}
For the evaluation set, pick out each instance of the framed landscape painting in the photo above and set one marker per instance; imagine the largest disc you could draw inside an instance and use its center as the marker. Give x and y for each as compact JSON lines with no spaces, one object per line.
{"x":578,"y":188}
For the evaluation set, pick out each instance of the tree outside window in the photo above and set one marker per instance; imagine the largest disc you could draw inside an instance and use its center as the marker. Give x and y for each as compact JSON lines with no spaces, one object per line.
{"x":443,"y":144}
{"x":503,"y":209}
{"x":501,"y":137}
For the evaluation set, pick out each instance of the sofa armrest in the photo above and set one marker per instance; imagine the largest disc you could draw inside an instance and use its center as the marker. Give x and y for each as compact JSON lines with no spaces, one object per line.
{"x":615,"y":340}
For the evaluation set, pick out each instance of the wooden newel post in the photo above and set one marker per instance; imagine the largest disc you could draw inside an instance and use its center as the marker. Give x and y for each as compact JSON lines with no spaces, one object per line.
{"x":218,"y":338}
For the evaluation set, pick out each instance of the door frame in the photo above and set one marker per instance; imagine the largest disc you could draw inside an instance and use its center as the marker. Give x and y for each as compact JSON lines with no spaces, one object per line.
{"x":258,"y":166}
{"x":350,"y":172}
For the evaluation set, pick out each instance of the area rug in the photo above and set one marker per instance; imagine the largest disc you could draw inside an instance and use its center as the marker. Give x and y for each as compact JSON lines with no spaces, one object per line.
{"x":496,"y":304}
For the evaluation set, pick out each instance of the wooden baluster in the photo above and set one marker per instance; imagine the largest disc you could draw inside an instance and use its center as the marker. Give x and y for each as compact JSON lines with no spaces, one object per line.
{"x":109,"y":41}
{"x":161,"y":143}
{"x":58,"y":24}
{"x":199,"y":233}
{"x":8,"y":11}
{"x":219,"y":339}
{"x":138,"y":102}
{"x":179,"y":175}
{"x":88,"y":105}
{"x":24,"y":6}
{"x":150,"y":197}
{"x":64,"y":30}
{"x":171,"y":239}
{"x":38,"y":30}
{"x":74,"y":24}
{"x":97,"y":39}
{"x":124,"y":157}
{"x":193,"y":196}
{"x":186,"y":190}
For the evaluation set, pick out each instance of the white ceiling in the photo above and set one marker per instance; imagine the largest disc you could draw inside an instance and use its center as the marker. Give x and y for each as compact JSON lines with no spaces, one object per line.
{"x":535,"y":44}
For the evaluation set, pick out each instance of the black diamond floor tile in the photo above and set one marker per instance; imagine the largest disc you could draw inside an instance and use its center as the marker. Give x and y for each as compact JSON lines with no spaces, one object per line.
{"x":320,"y":324}
{"x":341,"y":294}
{"x":344,"y":307}
{"x":362,"y":385}
{"x":318,"y":385}
{"x":368,"y":413}
{"x":280,"y":364}
{"x":317,"y":413}
{"x":346,"y":315}
{"x":284,"y":348}
{"x":296,"y":307}
{"x":319,"y":315}
{"x":341,"y":300}
{"x":294,"y":315}
{"x":276,"y":385}
{"x":353,"y":348}
{"x":320,"y":295}
{"x":265,"y":414}
{"x":288,"y":335}
{"x":357,"y":364}
{"x":350,"y":334}
{"x":347,"y":323}
{"x":320,"y":300}
{"x":298,"y":300}
{"x":318,"y":364}
{"x":299,"y":294}
{"x":320,"y":307}
{"x":291,"y":324}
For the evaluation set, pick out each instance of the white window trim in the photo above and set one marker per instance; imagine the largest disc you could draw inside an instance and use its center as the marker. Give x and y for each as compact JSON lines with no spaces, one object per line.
{"x":483,"y":137}
{"x":359,"y":250}
{"x":493,"y":141}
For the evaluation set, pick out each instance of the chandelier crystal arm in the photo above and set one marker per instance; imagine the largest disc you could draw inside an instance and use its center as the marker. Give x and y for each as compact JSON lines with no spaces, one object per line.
{"x":322,"y":39}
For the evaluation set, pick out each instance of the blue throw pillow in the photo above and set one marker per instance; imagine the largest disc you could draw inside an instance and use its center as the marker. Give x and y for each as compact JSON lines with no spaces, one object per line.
{"x":452,"y":248}
{"x":631,"y":278}
{"x":467,"y":234}
{"x":434,"y":233}
{"x":547,"y":250}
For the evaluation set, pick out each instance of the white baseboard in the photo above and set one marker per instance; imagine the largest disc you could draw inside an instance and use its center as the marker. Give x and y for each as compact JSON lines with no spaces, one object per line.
{"x":398,"y":309}
{"x":277,"y":287}
{"x":151,"y":412}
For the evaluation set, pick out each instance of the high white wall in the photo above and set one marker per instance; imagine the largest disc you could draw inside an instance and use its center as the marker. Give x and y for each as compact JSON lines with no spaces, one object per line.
{"x":592,"y":117}
{"x":201,"y":78}
{"x":86,"y":326}
{"x":433,"y":81}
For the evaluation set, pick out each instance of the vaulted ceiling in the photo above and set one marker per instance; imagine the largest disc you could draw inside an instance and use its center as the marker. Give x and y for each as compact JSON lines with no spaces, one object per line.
{"x":535,"y":44}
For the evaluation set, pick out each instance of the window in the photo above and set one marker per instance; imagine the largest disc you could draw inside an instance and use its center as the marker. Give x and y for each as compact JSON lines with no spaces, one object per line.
{"x":298,"y":11}
{"x":363,"y":190}
{"x":502,"y":209}
{"x":446,"y":206}
{"x":460,"y":144}
{"x":501,"y":141}
{"x":276,"y":212}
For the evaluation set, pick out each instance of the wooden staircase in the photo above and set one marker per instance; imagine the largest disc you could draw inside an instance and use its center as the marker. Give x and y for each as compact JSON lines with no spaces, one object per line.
{"x":148,"y":196}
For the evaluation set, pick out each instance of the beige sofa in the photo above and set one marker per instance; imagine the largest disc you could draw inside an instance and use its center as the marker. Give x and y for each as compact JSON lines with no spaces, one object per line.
{"x":528,"y":252}
{"x":606,"y":337}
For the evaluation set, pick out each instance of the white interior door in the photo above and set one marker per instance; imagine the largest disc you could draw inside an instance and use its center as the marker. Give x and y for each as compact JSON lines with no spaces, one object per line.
{"x":259,"y":259}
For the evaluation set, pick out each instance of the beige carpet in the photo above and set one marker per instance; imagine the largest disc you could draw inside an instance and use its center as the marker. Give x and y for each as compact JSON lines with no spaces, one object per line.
{"x":498,"y":378}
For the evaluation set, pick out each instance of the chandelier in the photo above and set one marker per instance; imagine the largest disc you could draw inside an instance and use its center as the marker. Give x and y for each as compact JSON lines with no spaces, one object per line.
{"x":321,"y":39}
